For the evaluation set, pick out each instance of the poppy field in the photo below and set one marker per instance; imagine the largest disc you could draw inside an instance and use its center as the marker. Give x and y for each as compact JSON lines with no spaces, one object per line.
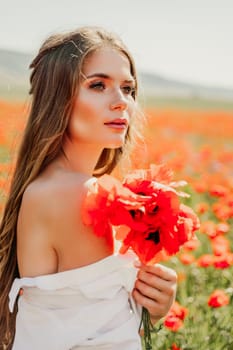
{"x":198,"y":146}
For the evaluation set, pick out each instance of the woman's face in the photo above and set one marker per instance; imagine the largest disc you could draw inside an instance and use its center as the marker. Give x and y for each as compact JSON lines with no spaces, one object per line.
{"x":104,"y":105}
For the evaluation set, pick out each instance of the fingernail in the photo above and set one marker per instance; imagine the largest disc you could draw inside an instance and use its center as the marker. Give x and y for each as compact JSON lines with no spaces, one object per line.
{"x":137,"y":263}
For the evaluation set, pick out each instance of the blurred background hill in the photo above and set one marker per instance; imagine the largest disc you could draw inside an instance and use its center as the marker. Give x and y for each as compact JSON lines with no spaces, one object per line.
{"x":14,"y":74}
{"x":156,"y":90}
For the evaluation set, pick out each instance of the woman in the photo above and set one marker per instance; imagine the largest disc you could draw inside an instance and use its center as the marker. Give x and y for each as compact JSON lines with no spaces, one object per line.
{"x":72,"y":291}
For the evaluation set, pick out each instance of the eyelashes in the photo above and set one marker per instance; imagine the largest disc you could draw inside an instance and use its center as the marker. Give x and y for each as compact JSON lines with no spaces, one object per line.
{"x":128,"y":90}
{"x":101,"y":86}
{"x":97,"y":86}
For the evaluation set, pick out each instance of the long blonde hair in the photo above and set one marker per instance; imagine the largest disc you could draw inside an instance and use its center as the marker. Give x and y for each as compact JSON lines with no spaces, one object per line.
{"x":55,"y":78}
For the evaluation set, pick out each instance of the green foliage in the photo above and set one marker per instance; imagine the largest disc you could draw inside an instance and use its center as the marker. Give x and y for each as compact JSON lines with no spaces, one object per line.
{"x":187,"y":103}
{"x":205,"y":328}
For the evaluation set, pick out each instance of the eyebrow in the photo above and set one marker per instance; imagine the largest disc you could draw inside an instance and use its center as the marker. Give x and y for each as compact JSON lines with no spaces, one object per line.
{"x":105,"y":76}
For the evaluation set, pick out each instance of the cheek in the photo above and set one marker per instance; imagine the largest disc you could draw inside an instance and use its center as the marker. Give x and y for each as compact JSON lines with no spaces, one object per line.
{"x":132,"y":110}
{"x":83,"y":117}
{"x":84,"y":111}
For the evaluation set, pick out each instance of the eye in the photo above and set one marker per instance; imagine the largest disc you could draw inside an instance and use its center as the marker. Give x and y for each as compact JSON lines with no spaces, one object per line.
{"x":99,"y":85}
{"x":128,"y":90}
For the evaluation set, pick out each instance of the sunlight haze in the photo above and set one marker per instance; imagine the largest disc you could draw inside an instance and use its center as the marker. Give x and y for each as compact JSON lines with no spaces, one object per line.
{"x":179,"y":39}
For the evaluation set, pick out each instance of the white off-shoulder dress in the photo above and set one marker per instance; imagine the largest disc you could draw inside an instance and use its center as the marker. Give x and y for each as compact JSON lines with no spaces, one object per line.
{"x":85,"y":308}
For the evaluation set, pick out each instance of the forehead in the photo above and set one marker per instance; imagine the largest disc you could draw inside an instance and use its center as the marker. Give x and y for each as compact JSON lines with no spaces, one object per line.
{"x":109,"y":61}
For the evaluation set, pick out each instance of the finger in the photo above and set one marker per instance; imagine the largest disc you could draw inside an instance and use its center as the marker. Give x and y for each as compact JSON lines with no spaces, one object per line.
{"x":155,"y":309}
{"x":142,"y":300}
{"x":164,"y":286}
{"x":161,"y":271}
{"x":150,"y":292}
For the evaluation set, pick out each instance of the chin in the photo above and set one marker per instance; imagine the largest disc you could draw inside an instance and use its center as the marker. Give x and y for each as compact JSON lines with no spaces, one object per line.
{"x":115,"y":145}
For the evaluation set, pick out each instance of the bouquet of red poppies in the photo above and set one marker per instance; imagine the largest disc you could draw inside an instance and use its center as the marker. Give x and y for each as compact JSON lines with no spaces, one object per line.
{"x":145,"y":211}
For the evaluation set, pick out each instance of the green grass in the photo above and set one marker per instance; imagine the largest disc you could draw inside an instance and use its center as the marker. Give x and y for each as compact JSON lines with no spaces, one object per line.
{"x":186,"y":103}
{"x":14,"y":93}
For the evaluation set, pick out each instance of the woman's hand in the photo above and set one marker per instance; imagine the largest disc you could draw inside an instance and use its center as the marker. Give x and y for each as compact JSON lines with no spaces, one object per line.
{"x":155,"y":289}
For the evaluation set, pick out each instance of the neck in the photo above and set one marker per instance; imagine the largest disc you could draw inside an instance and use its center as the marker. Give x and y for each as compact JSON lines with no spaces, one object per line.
{"x":80,"y":158}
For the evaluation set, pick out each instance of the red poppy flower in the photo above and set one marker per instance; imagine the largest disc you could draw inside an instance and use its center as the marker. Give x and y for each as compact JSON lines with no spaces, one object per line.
{"x":175,"y":347}
{"x":205,"y":260}
{"x":218,"y":190}
{"x":222,"y":227}
{"x":169,"y":223}
{"x":176,"y":315}
{"x":173,"y":323}
{"x":223,"y":209}
{"x":191,"y":245}
{"x":202,"y":207}
{"x":220,"y":245}
{"x":209,"y":228}
{"x":109,"y":203}
{"x":178,"y":310}
{"x":186,"y":258}
{"x":223,"y":261}
{"x":147,"y":214}
{"x":218,"y":298}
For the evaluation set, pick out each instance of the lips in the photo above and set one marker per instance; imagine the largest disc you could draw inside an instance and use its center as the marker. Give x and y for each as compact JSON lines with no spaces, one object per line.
{"x":118,"y":122}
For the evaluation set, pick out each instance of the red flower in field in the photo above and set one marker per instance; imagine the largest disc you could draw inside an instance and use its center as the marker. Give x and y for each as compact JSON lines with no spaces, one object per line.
{"x":218,"y":190}
{"x":175,"y":347}
{"x":218,"y":298}
{"x":223,"y":261}
{"x":178,"y":310}
{"x":209,"y":228}
{"x":222,"y":227}
{"x":173,"y":323}
{"x":202,"y":207}
{"x":191,"y":245}
{"x":186,"y":258}
{"x":176,"y":315}
{"x":205,"y":260}
{"x":223,"y":210}
{"x":200,"y":186}
{"x":212,"y":229}
{"x":220,"y":245}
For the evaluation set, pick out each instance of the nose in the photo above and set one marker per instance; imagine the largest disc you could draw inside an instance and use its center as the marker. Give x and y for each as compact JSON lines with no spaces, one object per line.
{"x":119,"y":102}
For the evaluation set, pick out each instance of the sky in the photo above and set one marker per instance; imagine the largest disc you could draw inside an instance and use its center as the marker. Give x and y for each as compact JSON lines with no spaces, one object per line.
{"x":186,"y":40}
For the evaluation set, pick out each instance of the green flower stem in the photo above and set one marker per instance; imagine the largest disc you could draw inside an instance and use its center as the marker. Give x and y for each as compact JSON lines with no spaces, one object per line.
{"x":148,"y":328}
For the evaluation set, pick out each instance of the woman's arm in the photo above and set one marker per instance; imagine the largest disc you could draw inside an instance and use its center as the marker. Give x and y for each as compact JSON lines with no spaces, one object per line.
{"x":155,"y":289}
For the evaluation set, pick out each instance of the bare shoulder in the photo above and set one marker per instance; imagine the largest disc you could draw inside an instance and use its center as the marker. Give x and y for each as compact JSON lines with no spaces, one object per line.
{"x":49,"y":213}
{"x":53,"y":194}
